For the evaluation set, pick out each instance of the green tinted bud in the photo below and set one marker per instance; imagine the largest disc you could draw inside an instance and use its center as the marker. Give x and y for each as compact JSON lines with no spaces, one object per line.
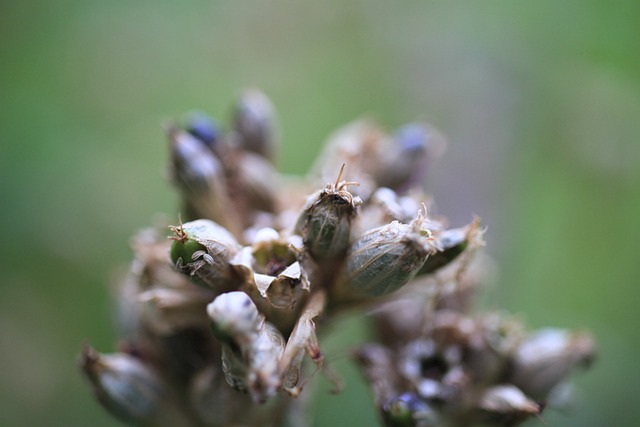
{"x":185,"y":250}
{"x":386,"y":258}
{"x":126,"y":387}
{"x":203,"y":249}
{"x":325,"y":223}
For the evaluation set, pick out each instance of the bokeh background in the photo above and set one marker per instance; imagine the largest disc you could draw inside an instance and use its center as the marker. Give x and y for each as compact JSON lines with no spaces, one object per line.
{"x":540,"y":101}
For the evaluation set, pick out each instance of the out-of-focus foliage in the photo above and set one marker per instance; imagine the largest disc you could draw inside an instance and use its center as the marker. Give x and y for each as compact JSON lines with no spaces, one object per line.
{"x":540,"y":102}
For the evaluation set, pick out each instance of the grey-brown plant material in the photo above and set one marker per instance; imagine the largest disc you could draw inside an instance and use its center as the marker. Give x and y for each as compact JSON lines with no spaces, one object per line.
{"x":222,"y":317}
{"x":200,"y":178}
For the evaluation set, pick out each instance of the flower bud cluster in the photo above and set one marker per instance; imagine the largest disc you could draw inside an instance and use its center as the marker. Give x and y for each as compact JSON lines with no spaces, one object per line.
{"x":440,"y":364}
{"x":220,"y":312}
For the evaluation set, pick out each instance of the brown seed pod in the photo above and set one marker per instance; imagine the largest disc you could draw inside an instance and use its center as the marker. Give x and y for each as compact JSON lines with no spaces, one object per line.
{"x":325,"y":222}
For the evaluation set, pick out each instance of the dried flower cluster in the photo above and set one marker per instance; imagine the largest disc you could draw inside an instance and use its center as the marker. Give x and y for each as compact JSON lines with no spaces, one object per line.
{"x":218,"y":318}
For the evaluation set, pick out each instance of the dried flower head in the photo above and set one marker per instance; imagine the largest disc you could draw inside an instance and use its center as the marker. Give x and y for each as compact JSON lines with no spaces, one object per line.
{"x":219,"y":319}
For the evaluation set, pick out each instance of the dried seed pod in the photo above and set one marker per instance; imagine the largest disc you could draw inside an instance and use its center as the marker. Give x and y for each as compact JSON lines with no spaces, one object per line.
{"x":203,"y":250}
{"x":200,"y":178}
{"x":386,"y":258}
{"x":254,"y":122}
{"x":202,"y":127}
{"x":546,"y":358}
{"x":127,"y":388}
{"x":325,"y":223}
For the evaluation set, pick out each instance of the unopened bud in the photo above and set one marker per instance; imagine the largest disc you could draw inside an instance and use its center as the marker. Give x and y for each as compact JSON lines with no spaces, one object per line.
{"x":386,"y":258}
{"x":546,"y":358}
{"x":126,"y":387}
{"x":405,"y":162}
{"x":254,"y":121}
{"x":202,"y":127}
{"x":199,"y":176}
{"x":325,"y":223}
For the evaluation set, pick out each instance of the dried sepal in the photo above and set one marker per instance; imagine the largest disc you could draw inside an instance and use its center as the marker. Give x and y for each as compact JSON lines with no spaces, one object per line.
{"x":303,"y":340}
{"x":281,"y":296}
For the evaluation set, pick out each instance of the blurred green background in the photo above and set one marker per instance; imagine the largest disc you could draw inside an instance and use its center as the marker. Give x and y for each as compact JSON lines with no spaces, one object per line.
{"x":540,"y":101}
